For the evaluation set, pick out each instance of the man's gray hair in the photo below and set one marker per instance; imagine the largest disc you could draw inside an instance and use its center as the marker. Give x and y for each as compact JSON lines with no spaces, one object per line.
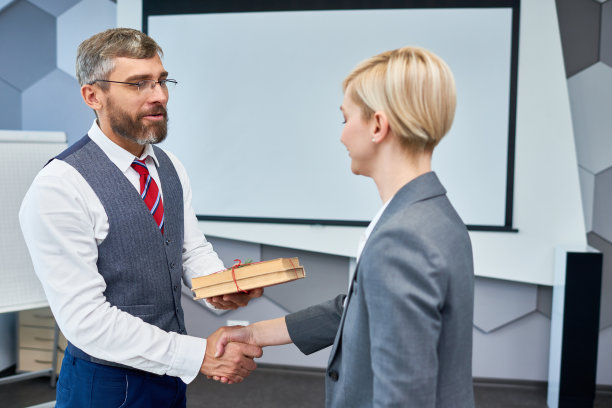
{"x":95,"y":56}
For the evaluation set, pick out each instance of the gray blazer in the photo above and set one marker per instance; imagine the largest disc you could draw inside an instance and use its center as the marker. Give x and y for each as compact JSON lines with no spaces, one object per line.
{"x":404,"y":338}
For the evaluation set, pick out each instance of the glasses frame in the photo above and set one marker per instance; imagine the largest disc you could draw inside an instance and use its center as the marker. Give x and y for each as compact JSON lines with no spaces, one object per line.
{"x":140,"y":84}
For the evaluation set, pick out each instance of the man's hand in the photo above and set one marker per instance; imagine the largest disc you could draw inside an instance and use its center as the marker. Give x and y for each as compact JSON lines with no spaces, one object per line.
{"x":234,"y":365}
{"x":234,"y":300}
{"x":262,"y":334}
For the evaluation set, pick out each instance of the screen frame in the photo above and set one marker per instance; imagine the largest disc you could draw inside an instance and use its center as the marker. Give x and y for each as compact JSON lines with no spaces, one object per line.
{"x":160,"y":8}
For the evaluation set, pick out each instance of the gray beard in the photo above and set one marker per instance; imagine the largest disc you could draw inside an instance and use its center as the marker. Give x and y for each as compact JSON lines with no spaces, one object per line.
{"x":135,"y":131}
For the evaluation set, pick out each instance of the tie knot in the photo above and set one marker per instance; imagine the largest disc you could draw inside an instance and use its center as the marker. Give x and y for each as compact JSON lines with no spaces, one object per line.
{"x":140,"y":167}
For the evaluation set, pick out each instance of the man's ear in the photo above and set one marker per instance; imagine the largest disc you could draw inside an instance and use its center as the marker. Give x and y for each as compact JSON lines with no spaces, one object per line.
{"x":92,"y":96}
{"x":380,"y":126}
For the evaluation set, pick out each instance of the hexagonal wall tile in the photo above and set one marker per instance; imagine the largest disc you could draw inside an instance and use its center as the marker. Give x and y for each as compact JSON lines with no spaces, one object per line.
{"x":590,"y":94}
{"x":518,"y":350}
{"x":24,"y":26}
{"x":4,"y":3}
{"x":579,"y":23}
{"x":587,"y":189}
{"x":10,"y":107}
{"x":604,"y":374}
{"x":71,"y":31}
{"x":544,"y":305}
{"x":605,"y":317}
{"x":499,"y":302}
{"x":602,"y":207}
{"x":55,"y":7}
{"x":327,"y":277}
{"x":55,"y":103}
{"x":228,"y":250}
{"x":605,"y":53}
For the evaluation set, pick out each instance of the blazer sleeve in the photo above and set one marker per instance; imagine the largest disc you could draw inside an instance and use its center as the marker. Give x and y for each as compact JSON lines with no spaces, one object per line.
{"x":315,"y":328}
{"x":404,"y":287}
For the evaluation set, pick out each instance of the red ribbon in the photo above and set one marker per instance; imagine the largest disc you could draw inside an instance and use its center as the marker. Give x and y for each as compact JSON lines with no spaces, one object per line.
{"x":237,"y":265}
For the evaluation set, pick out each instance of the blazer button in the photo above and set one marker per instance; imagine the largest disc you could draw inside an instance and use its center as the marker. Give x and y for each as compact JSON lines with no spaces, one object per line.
{"x":333,"y":374}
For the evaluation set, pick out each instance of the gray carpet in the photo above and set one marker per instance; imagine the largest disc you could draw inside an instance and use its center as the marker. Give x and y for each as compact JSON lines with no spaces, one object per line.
{"x":268,"y":387}
{"x":273,"y":387}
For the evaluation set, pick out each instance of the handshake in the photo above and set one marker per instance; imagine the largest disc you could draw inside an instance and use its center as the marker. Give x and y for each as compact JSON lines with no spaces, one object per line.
{"x":230,"y":350}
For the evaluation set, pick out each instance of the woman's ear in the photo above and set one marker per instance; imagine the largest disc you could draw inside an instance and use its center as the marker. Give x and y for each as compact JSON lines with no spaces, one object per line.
{"x":91,"y":96}
{"x":380,"y":126}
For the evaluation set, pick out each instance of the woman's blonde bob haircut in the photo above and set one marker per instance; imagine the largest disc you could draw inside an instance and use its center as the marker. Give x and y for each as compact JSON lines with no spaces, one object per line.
{"x":413,"y":87}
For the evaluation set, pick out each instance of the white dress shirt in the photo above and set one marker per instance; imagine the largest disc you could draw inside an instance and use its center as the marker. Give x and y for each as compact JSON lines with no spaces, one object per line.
{"x":363,"y":240}
{"x":63,"y":222}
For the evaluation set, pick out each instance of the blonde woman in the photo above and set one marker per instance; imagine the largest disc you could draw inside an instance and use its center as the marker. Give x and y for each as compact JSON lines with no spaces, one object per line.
{"x":402,"y":337}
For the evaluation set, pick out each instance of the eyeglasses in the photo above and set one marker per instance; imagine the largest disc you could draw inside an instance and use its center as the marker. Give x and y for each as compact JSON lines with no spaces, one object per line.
{"x":146,"y":85}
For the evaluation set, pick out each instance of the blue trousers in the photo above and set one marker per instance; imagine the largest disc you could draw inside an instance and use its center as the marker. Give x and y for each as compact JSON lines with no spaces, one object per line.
{"x":85,"y":384}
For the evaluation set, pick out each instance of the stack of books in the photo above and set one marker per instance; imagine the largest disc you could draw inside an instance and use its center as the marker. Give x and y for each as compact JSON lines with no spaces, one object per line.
{"x":249,"y":276}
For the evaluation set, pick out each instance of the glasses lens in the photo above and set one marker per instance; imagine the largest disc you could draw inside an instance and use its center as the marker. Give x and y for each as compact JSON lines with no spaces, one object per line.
{"x":148,"y":85}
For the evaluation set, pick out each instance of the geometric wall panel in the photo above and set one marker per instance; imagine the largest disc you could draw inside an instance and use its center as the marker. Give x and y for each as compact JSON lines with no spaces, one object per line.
{"x":545,"y":300}
{"x":24,"y":26}
{"x":590,"y":94}
{"x":604,"y":374}
{"x":55,"y":103}
{"x":55,"y":7}
{"x":605,"y":54}
{"x":228,"y":250}
{"x":327,"y":277}
{"x":4,"y":3}
{"x":602,"y":207}
{"x":587,"y":190}
{"x":520,"y":347}
{"x":497,"y":302}
{"x":579,"y":22}
{"x":10,"y":107}
{"x":605,"y":247}
{"x":71,"y":31}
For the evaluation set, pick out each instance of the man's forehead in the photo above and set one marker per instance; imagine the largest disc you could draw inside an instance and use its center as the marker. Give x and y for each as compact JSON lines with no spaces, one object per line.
{"x":138,"y":66}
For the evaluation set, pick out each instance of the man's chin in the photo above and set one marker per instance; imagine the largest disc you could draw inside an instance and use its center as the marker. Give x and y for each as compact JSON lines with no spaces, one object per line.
{"x":155,"y":133}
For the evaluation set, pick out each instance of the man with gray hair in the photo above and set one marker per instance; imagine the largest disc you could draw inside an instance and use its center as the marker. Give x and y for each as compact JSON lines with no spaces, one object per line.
{"x":111,"y":232}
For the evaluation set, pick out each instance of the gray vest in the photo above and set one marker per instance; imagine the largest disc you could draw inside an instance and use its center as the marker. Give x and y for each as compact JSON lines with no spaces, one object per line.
{"x":141,"y":267}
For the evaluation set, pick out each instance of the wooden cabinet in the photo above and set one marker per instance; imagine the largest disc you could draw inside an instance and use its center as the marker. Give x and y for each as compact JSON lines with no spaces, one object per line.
{"x":35,"y":341}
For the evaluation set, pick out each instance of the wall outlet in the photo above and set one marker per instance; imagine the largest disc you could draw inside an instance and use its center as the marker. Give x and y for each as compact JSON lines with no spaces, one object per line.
{"x":237,"y":322}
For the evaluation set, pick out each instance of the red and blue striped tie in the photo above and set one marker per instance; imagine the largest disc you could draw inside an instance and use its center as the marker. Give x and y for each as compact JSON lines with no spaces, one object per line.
{"x":150,"y":193}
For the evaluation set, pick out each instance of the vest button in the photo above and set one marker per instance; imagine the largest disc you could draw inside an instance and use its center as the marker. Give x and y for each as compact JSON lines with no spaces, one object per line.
{"x":171,"y":265}
{"x":175,"y":287}
{"x":333,"y":374}
{"x":167,"y":242}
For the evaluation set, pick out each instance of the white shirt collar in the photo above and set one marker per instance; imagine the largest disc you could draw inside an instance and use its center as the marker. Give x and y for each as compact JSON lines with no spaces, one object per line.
{"x":371,"y":226}
{"x":117,"y":154}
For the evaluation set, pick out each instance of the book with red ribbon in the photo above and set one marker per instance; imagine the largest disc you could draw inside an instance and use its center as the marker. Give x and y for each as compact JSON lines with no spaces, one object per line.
{"x":243,"y":277}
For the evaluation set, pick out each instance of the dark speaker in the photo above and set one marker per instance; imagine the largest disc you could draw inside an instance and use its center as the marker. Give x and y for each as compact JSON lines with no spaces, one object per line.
{"x":580,"y":334}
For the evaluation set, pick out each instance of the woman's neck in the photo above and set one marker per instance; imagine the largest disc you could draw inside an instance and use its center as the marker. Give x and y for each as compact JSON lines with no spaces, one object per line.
{"x":396,"y":168}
